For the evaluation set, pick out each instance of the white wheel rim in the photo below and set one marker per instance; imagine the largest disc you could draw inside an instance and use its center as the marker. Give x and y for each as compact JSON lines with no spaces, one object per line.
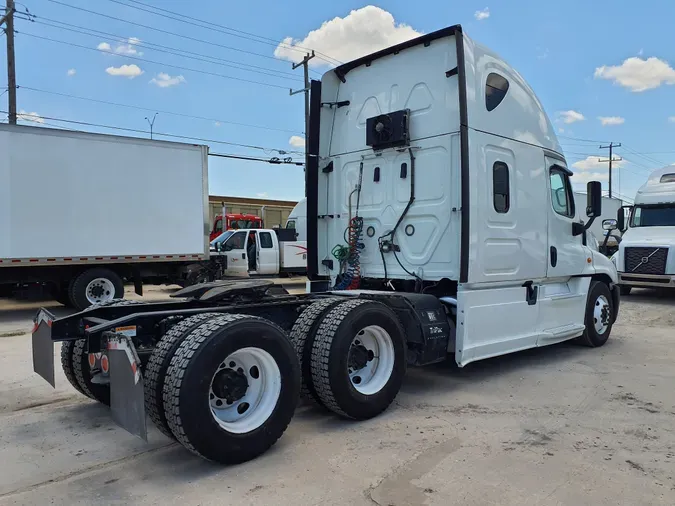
{"x":371,"y":377}
{"x":602,"y":313}
{"x":100,"y":290}
{"x":244,"y":411}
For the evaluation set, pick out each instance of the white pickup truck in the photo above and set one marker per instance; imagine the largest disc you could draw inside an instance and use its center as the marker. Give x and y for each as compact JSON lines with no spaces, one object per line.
{"x":260,"y":252}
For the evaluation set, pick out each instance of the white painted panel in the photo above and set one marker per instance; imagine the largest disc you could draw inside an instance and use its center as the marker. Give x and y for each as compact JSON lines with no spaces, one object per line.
{"x":70,"y":194}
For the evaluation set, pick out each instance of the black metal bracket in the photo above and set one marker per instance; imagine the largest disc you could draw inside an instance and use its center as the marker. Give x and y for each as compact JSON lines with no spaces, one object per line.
{"x":328,"y":168}
{"x":452,"y":72}
{"x":532,"y":291}
{"x":341,"y":103}
{"x":327,"y":263}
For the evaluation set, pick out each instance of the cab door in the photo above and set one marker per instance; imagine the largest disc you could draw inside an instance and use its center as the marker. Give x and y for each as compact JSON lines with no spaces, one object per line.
{"x":235,"y":250}
{"x":268,"y":255}
{"x":562,"y":295}
{"x":566,"y":253}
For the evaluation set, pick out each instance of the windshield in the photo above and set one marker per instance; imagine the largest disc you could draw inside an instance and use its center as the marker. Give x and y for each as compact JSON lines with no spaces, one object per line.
{"x":222,"y":237}
{"x":653,"y":216}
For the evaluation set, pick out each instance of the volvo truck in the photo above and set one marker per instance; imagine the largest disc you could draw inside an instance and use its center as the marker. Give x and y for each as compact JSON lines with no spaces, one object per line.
{"x":441,"y":223}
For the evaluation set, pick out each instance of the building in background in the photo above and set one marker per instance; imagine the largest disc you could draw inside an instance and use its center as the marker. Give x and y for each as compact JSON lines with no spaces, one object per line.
{"x":276,"y":211}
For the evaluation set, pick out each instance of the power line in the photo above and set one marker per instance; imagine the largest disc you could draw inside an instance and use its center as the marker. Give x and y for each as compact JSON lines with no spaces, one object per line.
{"x":570,"y":138}
{"x":169,"y":50}
{"x":220,"y":28}
{"x":647,"y":158}
{"x":173,"y":113}
{"x":167,"y":32}
{"x":224,"y":76}
{"x":175,"y":136}
{"x":274,"y":160}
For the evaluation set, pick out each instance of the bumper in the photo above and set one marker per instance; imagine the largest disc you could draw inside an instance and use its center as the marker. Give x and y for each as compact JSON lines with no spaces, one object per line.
{"x":647,"y":280}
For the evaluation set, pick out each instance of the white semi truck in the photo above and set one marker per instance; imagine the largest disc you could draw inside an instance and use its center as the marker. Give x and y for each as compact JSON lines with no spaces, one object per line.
{"x":297,"y":220}
{"x":440,"y":221}
{"x":646,"y":256}
{"x":79,"y":212}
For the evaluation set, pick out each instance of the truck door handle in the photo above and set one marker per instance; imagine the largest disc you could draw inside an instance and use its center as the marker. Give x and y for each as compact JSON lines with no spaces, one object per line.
{"x":243,"y":256}
{"x":554,"y":256}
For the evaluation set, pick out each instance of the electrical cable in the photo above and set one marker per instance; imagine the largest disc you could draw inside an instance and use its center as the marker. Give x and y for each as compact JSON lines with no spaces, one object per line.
{"x":169,"y":50}
{"x":172,"y":113}
{"x":270,"y":85}
{"x":350,"y":256}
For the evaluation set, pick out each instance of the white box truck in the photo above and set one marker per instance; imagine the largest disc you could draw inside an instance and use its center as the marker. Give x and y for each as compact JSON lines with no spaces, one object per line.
{"x":646,"y":256}
{"x":83,"y":212}
{"x":440,"y":221}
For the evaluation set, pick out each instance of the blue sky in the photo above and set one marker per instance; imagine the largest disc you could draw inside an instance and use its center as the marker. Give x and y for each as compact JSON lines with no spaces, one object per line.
{"x":586,"y":60}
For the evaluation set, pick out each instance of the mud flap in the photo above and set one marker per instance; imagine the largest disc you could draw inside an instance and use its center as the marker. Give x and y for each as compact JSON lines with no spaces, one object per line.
{"x":127,"y":400}
{"x":43,"y":346}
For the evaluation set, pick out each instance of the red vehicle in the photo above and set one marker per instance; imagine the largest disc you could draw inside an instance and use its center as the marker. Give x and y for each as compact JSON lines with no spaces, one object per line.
{"x":234,"y":222}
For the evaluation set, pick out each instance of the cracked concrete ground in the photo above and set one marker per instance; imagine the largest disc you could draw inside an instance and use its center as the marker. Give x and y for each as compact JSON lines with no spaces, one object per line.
{"x":562,"y":425}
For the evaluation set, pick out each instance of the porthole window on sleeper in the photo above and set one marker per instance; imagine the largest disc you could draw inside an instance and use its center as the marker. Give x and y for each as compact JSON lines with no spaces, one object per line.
{"x":496,"y":87}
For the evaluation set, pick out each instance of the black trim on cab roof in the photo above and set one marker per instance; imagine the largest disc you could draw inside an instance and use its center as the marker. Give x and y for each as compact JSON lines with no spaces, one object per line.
{"x":344,"y":69}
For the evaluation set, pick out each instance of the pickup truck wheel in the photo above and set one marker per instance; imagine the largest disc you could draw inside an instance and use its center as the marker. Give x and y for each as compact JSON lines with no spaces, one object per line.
{"x":358,"y":358}
{"x":94,"y":286}
{"x":67,"y":365}
{"x":231,"y":388}
{"x":625,"y":289}
{"x":598,"y":320}
{"x":302,"y":336}
{"x":98,"y":392}
{"x":155,"y":371}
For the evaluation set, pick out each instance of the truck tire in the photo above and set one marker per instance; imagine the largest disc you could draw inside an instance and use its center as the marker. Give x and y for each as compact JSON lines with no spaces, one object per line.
{"x":95,"y":286}
{"x":358,"y":358}
{"x":231,"y":388}
{"x":100,"y":393}
{"x":598,"y":319}
{"x":155,"y":371}
{"x":302,"y":336}
{"x":67,"y":364}
{"x":625,"y":289}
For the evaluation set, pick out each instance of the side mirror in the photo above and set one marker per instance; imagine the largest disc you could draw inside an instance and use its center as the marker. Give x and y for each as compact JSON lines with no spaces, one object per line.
{"x":609,"y":225}
{"x":594,"y":193}
{"x":218,"y":246}
{"x":621,"y":219}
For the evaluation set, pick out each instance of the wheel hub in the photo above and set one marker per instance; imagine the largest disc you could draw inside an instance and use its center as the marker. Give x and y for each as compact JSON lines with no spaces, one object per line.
{"x":359,"y":356}
{"x":230,"y":385}
{"x":96,"y":291}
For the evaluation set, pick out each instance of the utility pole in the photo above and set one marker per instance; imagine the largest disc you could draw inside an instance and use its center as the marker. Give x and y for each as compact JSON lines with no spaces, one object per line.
{"x":8,"y":20}
{"x":610,"y":160}
{"x":151,"y":123}
{"x":304,"y":65}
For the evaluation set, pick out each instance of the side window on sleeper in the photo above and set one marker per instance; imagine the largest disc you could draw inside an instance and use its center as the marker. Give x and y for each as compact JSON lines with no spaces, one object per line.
{"x":501,"y":192}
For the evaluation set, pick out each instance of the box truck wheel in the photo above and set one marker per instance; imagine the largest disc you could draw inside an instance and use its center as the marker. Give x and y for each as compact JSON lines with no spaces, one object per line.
{"x":155,"y":371}
{"x":625,"y":289}
{"x":94,"y":286}
{"x":67,"y":364}
{"x":358,"y":358}
{"x":231,"y":388}
{"x":598,"y":317}
{"x":80,"y":360}
{"x":302,"y":336}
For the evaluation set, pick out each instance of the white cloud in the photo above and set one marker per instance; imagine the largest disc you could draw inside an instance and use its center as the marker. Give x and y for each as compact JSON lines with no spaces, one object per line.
{"x":104,"y":46}
{"x":361,"y":32}
{"x":128,"y":50}
{"x":164,"y":80}
{"x":297,"y":141}
{"x":585,"y":177}
{"x":561,"y":130}
{"x":261,"y":195}
{"x":671,"y":119}
{"x":571,"y":116}
{"x":611,"y":120}
{"x":637,"y":74}
{"x":217,"y":123}
{"x":129,"y":71}
{"x":29,"y":116}
{"x":542,"y":53}
{"x":71,"y":72}
{"x":481,"y":15}
{"x":134,"y":40}
{"x":593,"y":163}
